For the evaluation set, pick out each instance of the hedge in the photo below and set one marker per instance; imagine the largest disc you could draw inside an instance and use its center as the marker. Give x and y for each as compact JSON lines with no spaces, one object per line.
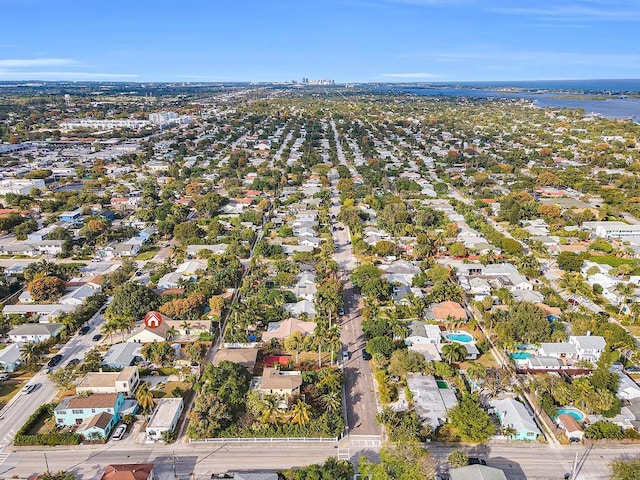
{"x":23,"y":438}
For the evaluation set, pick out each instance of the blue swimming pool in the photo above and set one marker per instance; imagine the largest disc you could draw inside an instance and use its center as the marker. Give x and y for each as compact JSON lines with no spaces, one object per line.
{"x":520,"y":355}
{"x":574,"y":412}
{"x":460,"y":337}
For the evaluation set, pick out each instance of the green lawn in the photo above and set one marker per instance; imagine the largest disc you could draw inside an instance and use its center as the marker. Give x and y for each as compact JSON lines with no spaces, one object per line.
{"x":7,"y":390}
{"x":148,"y":255}
{"x":167,"y":389}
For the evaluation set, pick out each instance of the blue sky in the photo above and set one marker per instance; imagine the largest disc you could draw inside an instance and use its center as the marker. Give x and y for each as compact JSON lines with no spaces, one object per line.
{"x":346,"y":40}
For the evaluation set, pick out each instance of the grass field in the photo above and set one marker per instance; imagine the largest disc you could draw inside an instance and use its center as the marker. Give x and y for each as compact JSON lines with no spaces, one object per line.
{"x":148,"y":255}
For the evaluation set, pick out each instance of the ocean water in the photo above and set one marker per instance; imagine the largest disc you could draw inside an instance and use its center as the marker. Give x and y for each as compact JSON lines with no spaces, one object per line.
{"x":604,"y":97}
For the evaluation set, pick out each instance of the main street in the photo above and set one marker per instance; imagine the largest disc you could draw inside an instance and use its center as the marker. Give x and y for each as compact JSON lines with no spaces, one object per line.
{"x":21,"y":406}
{"x":531,"y":462}
{"x":360,"y":395}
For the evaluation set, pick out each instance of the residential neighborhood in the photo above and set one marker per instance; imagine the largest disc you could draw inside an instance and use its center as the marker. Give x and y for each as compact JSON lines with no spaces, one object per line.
{"x":296,"y":270}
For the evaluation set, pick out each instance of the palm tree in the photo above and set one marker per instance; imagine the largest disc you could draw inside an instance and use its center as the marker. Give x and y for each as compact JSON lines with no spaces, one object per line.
{"x":331,"y":338}
{"x":270,"y":411}
{"x":29,"y":353}
{"x":185,"y":326}
{"x":508,"y":431}
{"x":330,"y":378}
{"x":454,"y":352}
{"x":332,"y":400}
{"x":109,"y":328}
{"x":170,"y":333}
{"x":299,"y":413}
{"x":476,"y":371}
{"x":144,"y":397}
{"x":625,"y":290}
{"x":124,"y":324}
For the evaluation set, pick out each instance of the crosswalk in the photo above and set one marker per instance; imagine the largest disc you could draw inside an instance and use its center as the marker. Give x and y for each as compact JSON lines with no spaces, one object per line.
{"x":8,"y":438}
{"x":3,"y":454}
{"x":365,"y":441}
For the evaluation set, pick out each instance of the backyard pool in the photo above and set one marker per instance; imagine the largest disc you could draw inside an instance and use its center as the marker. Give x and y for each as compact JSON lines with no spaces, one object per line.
{"x":460,"y":337}
{"x":574,"y":412}
{"x":520,"y":355}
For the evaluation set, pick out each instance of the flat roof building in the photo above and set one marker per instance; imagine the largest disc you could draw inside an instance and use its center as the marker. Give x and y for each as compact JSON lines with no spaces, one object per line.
{"x":165,"y":418}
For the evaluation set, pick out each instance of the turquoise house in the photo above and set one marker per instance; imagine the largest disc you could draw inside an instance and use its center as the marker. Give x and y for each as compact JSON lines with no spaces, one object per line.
{"x":94,"y":416}
{"x":514,"y":416}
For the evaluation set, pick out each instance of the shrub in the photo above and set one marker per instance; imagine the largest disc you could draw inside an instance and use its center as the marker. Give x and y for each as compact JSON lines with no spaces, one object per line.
{"x":51,"y":439}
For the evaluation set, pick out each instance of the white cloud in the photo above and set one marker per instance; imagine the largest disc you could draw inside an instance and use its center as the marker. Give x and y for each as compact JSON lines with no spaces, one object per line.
{"x":409,"y":75}
{"x":35,"y":62}
{"x":38,"y":69}
{"x":52,"y":75}
{"x":611,"y":10}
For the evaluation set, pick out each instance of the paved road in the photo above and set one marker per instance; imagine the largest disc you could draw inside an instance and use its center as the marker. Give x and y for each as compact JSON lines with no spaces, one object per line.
{"x":520,"y":462}
{"x":360,"y":396}
{"x":13,"y":416}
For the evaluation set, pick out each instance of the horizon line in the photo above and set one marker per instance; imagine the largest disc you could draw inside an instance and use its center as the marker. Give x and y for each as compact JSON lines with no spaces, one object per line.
{"x":345,"y":82}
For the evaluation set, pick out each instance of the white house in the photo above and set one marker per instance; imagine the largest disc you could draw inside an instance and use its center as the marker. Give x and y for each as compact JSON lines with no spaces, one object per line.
{"x":125,"y":382}
{"x":170,"y":280}
{"x":10,"y":357}
{"x":422,"y":333}
{"x":612,"y":229}
{"x":514,"y":414}
{"x":78,"y":295}
{"x":627,"y":388}
{"x":298,"y":308}
{"x":588,"y":347}
{"x":164,"y":418}
{"x":431,"y":401}
{"x":190,"y":267}
{"x":35,"y":332}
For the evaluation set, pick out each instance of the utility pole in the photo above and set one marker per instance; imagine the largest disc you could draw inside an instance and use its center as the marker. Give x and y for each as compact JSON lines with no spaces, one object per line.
{"x":46,"y":462}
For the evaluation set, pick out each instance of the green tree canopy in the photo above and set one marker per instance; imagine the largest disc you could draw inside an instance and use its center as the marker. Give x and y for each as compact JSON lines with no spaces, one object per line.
{"x":132,"y":301}
{"x":470,"y":421}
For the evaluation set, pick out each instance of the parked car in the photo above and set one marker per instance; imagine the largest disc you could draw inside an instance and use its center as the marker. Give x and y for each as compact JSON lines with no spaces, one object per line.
{"x":573,"y":302}
{"x":55,"y":360}
{"x":84,"y":330}
{"x":96,"y":337}
{"x":477,"y":461}
{"x":119,"y":432}
{"x":341,"y":311}
{"x":366,"y":355}
{"x":345,"y":355}
{"x":4,"y":377}
{"x":27,"y":389}
{"x":74,"y":361}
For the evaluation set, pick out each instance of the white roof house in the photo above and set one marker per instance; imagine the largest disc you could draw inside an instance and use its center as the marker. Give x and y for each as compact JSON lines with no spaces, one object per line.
{"x":627,"y":388}
{"x":514,"y":414}
{"x":164,"y":418}
{"x":612,"y":229}
{"x":10,"y":357}
{"x":190,"y":267}
{"x":170,"y":280}
{"x":35,"y":332}
{"x":298,"y":308}
{"x":420,"y":332}
{"x":588,"y":347}
{"x":431,"y":401}
{"x":219,"y":249}
{"x":558,"y":350}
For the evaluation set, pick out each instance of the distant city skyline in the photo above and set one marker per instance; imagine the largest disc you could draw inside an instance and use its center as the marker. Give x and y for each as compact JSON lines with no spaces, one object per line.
{"x":344,"y":40}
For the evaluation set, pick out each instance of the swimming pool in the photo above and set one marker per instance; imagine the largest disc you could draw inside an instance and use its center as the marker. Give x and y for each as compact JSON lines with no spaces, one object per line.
{"x":460,"y":337}
{"x":520,"y":355}
{"x":574,"y":412}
